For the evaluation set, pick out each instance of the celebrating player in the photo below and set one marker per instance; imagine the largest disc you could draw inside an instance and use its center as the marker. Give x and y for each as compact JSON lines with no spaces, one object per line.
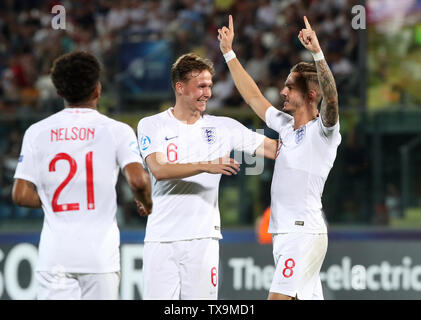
{"x":181,"y":253}
{"x":69,"y":165}
{"x":308,"y":141}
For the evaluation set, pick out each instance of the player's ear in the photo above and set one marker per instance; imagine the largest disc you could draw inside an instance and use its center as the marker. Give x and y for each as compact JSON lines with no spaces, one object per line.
{"x":179,"y":87}
{"x":311,"y":95}
{"x":97,"y":91}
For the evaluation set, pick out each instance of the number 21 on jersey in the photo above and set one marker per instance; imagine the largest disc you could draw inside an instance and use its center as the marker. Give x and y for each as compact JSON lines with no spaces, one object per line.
{"x":73,"y":169}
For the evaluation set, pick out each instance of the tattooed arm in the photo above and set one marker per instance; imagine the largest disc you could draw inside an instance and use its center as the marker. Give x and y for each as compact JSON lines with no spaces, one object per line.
{"x":329,"y":110}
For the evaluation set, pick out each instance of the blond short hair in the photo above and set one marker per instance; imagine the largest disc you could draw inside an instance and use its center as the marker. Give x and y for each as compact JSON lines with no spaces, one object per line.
{"x":182,"y":68}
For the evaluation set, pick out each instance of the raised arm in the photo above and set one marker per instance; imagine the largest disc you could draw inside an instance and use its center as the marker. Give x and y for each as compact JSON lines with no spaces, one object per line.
{"x":329,"y":110}
{"x":244,"y":83}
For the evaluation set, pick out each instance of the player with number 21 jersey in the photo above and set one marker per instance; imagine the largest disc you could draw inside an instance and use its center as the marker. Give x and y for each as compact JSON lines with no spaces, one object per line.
{"x":61,"y":155}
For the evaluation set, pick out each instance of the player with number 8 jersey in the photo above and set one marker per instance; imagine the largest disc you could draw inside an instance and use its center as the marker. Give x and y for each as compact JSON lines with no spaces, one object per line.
{"x":71,"y":162}
{"x":308,"y":142}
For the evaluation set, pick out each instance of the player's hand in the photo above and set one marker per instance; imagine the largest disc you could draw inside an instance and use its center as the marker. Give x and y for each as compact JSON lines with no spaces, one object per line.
{"x":223,"y":165}
{"x":144,"y":210}
{"x":308,"y":38}
{"x":226,"y":36}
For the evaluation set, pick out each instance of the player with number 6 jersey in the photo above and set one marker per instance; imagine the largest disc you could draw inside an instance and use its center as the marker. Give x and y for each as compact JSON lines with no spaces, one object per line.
{"x":69,"y":165}
{"x":209,"y":138}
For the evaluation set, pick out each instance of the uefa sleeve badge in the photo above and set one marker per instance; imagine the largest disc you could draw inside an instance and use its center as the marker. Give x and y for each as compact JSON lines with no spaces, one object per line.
{"x":144,"y":142}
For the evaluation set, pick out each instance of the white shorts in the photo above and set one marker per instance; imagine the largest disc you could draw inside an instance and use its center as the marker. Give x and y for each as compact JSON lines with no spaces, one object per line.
{"x":298,"y":260}
{"x":186,"y":270}
{"x":77,"y":286}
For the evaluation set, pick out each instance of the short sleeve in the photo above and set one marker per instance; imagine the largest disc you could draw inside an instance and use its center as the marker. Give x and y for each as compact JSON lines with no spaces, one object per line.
{"x":330,"y":133}
{"x":276,"y":119}
{"x":127,"y":147}
{"x":27,"y":163}
{"x":242,"y":138}
{"x":148,"y":135}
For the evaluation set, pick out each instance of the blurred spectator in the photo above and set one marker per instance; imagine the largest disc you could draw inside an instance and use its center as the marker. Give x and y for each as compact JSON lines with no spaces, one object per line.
{"x":257,"y":66}
{"x":262,"y":226}
{"x":355,"y":173}
{"x":117,"y":18}
{"x":156,"y":19}
{"x":279,"y":63}
{"x":393,"y":202}
{"x":49,"y":100}
{"x":221,"y":90}
{"x":266,"y":14}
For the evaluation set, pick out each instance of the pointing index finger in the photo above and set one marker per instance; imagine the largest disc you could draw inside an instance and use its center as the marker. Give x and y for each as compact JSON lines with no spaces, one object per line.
{"x":306,"y":23}
{"x":230,"y":23}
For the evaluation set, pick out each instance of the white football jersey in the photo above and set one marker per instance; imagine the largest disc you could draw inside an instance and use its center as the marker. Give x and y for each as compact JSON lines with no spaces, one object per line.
{"x":303,"y":161}
{"x":73,"y":158}
{"x":188,"y":208}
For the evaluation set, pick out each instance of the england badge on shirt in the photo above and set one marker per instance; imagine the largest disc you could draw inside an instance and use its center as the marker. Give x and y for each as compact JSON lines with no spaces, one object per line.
{"x":209,"y":134}
{"x":300,"y":134}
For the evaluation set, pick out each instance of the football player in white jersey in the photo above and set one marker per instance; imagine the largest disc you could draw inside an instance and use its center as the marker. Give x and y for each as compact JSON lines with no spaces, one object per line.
{"x":69,"y":166}
{"x":181,"y":253}
{"x":308,"y":141}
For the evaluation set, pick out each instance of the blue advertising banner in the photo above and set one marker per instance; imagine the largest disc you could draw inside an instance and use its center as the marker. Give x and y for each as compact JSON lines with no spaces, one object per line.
{"x":145,"y":67}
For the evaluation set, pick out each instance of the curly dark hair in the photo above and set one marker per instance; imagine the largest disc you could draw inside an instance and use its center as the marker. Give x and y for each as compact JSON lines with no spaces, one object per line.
{"x":75,"y":75}
{"x":185,"y":64}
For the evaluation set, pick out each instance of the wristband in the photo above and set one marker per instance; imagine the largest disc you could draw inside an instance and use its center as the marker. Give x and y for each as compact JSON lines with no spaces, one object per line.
{"x":318,"y":56}
{"x":229,"y":56}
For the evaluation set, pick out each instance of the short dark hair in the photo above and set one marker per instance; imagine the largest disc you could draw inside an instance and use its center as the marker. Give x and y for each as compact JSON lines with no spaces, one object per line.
{"x":307,"y":78}
{"x":75,"y":75}
{"x":185,"y":64}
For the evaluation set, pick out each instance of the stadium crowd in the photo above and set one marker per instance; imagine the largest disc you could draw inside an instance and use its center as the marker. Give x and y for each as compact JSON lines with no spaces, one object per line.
{"x":266,"y":38}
